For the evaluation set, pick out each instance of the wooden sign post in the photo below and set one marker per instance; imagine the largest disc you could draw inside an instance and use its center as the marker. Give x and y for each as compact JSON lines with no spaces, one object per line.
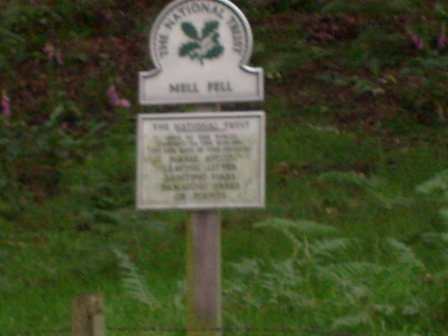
{"x":203,"y":257}
{"x":204,"y":274}
{"x":206,"y":160}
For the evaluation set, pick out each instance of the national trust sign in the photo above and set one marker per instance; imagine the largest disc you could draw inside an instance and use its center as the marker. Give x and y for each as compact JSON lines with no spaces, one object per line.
{"x":200,"y":50}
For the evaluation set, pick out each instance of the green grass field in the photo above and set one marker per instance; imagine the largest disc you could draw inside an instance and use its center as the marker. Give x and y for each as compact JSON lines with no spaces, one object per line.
{"x":65,"y":247}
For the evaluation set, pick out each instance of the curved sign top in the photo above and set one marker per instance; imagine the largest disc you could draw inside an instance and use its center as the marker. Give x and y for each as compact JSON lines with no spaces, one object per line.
{"x":200,"y":50}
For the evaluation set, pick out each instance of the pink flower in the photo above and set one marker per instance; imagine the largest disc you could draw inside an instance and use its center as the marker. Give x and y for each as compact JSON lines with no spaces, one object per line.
{"x":6,"y":107}
{"x":125,"y":103}
{"x":49,"y":51}
{"x":52,"y":53}
{"x":418,"y":42}
{"x":33,"y":2}
{"x":441,"y":41}
{"x":113,"y":96}
{"x":107,"y":16}
{"x":58,"y":58}
{"x":114,"y":100}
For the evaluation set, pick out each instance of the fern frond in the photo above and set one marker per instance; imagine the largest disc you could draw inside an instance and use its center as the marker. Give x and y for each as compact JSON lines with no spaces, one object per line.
{"x":441,"y":276}
{"x":302,"y":226}
{"x":313,"y":228}
{"x":286,"y":272}
{"x":298,"y":245}
{"x":348,"y":271}
{"x":372,"y":186}
{"x":247,"y":267}
{"x":404,"y":254}
{"x":415,"y":306}
{"x":443,"y":215}
{"x":327,"y":247}
{"x":353,"y":178}
{"x":132,"y":281}
{"x":276,"y":223}
{"x":352,"y":320}
{"x":292,"y":229}
{"x":436,"y":186}
{"x":179,"y":296}
{"x":384,"y":308}
{"x":298,"y":300}
{"x":354,"y":294}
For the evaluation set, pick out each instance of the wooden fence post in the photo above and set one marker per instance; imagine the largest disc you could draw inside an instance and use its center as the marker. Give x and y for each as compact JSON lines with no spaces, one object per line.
{"x":88,"y":316}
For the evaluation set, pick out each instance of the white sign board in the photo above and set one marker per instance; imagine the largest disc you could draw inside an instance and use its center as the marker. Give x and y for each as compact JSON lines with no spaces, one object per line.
{"x":200,"y":49}
{"x":201,"y":160}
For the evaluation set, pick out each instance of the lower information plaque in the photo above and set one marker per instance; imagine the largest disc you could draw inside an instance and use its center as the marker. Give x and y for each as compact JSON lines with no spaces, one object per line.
{"x":201,"y":160}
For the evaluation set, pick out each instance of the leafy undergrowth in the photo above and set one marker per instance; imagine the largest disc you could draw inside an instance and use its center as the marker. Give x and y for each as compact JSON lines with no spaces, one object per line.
{"x":376,"y":68}
{"x":370,"y":256}
{"x":329,"y":285}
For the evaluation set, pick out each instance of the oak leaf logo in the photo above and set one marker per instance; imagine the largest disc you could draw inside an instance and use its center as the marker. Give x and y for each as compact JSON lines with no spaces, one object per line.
{"x":204,"y":46}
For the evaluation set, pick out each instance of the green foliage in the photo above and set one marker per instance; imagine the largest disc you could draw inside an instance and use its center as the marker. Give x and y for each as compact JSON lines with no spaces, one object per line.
{"x":133,"y":282}
{"x":43,"y":136}
{"x":134,"y":285}
{"x":375,"y":188}
{"x":374,"y":7}
{"x":326,"y":285}
{"x":435,"y":235}
{"x":425,"y":102}
{"x":376,"y":47}
{"x":435,"y":191}
{"x":436,"y":187}
{"x":29,"y":154}
{"x":404,"y":254}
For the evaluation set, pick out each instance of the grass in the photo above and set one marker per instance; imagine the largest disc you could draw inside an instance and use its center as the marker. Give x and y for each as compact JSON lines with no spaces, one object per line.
{"x":50,"y":255}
